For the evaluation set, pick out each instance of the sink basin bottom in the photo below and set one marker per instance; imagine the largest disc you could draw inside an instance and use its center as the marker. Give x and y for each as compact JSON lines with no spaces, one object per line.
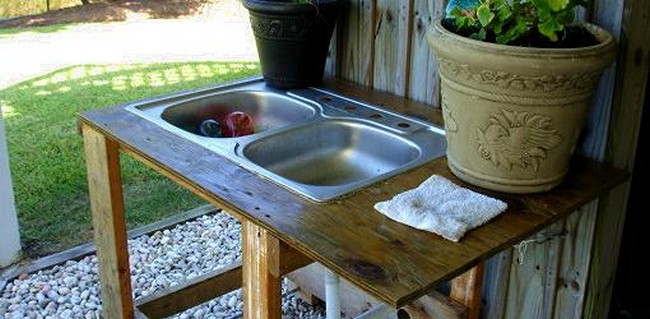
{"x":331,"y":153}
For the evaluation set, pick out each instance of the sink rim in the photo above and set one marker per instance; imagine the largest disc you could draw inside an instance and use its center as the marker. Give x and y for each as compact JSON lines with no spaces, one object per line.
{"x":428,"y":138}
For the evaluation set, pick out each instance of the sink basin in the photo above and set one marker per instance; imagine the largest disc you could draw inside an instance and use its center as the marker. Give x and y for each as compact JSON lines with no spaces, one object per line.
{"x":331,"y":153}
{"x":268,"y":110}
{"x":317,"y":143}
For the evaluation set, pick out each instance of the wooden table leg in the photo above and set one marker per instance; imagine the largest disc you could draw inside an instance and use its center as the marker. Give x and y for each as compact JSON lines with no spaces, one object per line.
{"x":261,"y":273}
{"x":107,"y":205}
{"x":466,"y":289}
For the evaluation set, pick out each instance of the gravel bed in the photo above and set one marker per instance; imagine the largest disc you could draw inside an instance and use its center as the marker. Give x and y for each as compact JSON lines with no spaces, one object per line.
{"x":163,"y":259}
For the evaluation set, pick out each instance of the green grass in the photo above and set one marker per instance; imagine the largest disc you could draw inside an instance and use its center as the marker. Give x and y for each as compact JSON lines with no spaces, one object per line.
{"x":5,"y":32}
{"x":46,"y":151}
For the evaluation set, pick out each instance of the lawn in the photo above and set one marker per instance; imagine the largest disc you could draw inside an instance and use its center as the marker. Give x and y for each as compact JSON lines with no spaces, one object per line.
{"x":46,"y":151}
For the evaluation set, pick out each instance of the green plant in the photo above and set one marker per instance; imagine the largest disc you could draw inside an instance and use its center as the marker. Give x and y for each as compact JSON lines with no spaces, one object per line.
{"x":508,"y":21}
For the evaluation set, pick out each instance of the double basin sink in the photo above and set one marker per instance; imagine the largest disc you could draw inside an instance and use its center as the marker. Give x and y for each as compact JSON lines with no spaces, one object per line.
{"x":315,"y":142}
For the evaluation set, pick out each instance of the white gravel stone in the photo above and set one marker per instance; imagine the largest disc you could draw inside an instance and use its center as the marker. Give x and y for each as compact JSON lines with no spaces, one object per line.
{"x":161,"y":260}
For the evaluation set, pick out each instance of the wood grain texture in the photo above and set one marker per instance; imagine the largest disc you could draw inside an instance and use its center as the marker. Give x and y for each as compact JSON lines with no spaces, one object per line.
{"x":565,"y":300}
{"x":209,"y":286}
{"x":261,"y":271}
{"x":629,"y":99}
{"x":392,"y":51}
{"x":608,"y":15}
{"x":533,"y":273}
{"x":424,"y":83}
{"x":495,"y":284}
{"x":356,"y":51}
{"x":192,"y":292}
{"x":466,"y":289}
{"x":345,"y":234}
{"x":577,"y":247}
{"x":574,"y":266}
{"x":437,"y":306}
{"x":332,"y":52}
{"x":109,"y":223}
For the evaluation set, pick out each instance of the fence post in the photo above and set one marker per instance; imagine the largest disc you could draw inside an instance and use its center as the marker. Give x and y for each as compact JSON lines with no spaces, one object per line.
{"x":9,"y":235}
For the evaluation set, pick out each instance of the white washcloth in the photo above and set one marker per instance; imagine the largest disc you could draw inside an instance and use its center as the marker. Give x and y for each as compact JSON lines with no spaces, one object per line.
{"x":441,"y":207}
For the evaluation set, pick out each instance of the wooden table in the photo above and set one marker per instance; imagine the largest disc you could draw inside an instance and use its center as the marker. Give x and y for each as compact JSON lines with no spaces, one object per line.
{"x":283,"y":231}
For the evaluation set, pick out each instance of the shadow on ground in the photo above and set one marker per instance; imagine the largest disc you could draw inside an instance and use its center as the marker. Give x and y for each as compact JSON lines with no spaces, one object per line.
{"x":113,"y":11}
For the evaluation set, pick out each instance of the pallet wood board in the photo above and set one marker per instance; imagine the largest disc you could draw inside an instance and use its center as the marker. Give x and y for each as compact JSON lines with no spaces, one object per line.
{"x":410,"y":264}
{"x":424,"y":83}
{"x":391,"y":46}
{"x":356,"y":53}
{"x":574,"y":266}
{"x":533,"y":273}
{"x":629,"y":100}
{"x":103,"y":162}
{"x":574,"y":253}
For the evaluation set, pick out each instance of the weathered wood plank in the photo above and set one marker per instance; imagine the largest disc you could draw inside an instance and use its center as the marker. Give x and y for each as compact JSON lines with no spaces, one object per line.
{"x":466,"y":289}
{"x":109,"y":223}
{"x":261,"y":270}
{"x":495,"y":285}
{"x":609,"y":15}
{"x":346,"y":234}
{"x":357,"y":50}
{"x":531,"y":291}
{"x":629,"y":99}
{"x":574,"y":265}
{"x":392,"y":51}
{"x":437,"y":306}
{"x":332,"y":55}
{"x":209,"y":286}
{"x":424,"y":84}
{"x":565,"y":300}
{"x":192,"y":292}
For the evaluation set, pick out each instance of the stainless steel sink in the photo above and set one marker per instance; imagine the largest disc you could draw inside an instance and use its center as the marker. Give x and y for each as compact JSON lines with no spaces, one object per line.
{"x":269,"y":110}
{"x":331,"y":153}
{"x":317,"y":143}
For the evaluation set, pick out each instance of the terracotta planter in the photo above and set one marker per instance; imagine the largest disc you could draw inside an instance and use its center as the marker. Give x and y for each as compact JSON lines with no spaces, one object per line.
{"x":293,"y":39}
{"x":513,"y":114}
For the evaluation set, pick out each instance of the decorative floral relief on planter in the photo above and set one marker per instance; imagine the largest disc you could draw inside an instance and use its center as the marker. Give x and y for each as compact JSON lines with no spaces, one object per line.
{"x":295,"y":29}
{"x":450,"y":122}
{"x":507,"y":80}
{"x":517,"y":139}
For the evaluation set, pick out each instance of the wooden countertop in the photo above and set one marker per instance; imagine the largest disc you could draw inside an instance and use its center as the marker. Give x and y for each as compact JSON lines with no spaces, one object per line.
{"x":391,"y":261}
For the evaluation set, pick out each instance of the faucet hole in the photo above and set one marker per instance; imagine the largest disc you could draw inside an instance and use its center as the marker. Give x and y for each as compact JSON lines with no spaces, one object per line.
{"x":376,"y":116}
{"x":325,"y":99}
{"x":403,"y":125}
{"x":350,"y":107}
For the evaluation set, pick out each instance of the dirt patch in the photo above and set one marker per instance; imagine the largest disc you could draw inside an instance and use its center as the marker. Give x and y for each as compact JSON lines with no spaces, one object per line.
{"x":115,"y":11}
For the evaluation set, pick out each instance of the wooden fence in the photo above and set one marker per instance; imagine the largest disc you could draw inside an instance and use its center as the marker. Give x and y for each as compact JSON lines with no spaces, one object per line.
{"x":17,"y":8}
{"x":566,"y":270}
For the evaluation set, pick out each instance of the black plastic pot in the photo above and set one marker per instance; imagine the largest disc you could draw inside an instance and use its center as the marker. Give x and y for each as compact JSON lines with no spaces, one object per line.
{"x":293,"y":39}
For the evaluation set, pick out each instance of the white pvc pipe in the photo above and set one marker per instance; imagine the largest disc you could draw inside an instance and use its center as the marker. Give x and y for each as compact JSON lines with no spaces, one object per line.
{"x":332,"y":295}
